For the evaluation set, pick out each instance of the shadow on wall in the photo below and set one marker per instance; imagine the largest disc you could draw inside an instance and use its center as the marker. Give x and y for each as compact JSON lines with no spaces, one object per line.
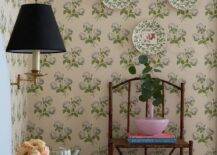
{"x":5,"y":106}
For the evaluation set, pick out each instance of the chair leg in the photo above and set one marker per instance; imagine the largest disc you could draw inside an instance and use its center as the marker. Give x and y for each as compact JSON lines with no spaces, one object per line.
{"x":145,"y":151}
{"x":119,"y":151}
{"x":110,"y":149}
{"x":181,"y":151}
{"x":190,"y":147}
{"x":171,"y":152}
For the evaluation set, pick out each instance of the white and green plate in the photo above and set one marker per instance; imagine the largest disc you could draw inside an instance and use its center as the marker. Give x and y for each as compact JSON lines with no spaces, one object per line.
{"x":116,"y":4}
{"x":183,"y":4}
{"x":149,"y":37}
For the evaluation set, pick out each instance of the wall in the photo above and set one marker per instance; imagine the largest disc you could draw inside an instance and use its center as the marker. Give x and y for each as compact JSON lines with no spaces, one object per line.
{"x":17,"y":65}
{"x":5,"y":110}
{"x":69,"y":106}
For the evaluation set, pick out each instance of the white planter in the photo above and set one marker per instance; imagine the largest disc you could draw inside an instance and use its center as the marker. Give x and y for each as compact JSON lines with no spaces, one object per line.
{"x":5,"y":105}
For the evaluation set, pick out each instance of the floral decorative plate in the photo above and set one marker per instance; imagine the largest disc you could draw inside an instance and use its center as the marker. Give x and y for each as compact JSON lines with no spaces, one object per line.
{"x":149,"y":37}
{"x":116,"y":4}
{"x":183,"y":4}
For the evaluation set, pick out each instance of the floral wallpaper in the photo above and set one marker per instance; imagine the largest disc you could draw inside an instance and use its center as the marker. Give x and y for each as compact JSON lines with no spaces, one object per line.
{"x":69,"y":106}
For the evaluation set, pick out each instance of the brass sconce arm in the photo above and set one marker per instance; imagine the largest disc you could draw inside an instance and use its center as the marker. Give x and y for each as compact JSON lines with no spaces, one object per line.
{"x":17,"y":83}
{"x":31,"y":77}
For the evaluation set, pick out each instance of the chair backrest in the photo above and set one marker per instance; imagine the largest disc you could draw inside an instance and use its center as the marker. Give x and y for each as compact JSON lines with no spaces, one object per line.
{"x":129,"y":82}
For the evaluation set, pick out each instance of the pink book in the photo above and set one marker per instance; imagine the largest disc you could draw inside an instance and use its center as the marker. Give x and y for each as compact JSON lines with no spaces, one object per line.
{"x":162,"y":135}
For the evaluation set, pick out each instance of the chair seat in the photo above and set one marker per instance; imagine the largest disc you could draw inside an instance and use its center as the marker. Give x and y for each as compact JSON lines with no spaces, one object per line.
{"x":123,"y":143}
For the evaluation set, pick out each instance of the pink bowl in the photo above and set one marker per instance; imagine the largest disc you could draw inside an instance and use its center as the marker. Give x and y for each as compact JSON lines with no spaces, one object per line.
{"x":151,"y":126}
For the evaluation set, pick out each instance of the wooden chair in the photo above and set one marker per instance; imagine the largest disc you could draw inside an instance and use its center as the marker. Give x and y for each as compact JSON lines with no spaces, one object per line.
{"x":123,"y":143}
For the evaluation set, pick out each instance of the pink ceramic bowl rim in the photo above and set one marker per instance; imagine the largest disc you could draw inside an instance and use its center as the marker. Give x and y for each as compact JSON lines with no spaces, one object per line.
{"x":152,"y":119}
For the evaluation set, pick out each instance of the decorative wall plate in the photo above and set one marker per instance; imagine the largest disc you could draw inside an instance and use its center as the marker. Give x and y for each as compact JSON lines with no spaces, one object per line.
{"x":183,"y":4}
{"x":149,"y":37}
{"x":116,"y":4}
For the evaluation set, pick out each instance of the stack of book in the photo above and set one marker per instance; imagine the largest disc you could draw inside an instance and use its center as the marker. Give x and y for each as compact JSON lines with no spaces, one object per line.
{"x":163,"y":138}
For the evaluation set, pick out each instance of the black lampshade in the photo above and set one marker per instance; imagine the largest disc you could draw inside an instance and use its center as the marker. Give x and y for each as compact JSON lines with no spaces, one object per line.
{"x":36,"y":29}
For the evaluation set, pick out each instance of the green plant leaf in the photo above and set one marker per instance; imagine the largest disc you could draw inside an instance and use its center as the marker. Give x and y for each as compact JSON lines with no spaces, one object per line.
{"x":143,"y":98}
{"x":147,"y":92}
{"x":147,"y":69}
{"x":143,"y":59}
{"x":132,"y":70}
{"x":146,"y":85}
{"x":155,"y":102}
{"x":145,"y":77}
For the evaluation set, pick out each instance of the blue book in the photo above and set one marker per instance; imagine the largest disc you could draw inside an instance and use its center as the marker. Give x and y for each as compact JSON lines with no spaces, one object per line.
{"x":152,"y":140}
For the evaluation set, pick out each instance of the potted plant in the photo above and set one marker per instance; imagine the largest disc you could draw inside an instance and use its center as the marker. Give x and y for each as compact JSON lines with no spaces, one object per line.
{"x":152,"y":93}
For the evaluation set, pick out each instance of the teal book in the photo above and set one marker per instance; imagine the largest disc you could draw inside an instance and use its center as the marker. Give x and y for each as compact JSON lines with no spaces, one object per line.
{"x":152,"y":140}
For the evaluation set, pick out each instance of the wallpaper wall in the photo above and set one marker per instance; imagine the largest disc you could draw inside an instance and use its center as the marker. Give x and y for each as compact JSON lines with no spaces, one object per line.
{"x":68,"y":107}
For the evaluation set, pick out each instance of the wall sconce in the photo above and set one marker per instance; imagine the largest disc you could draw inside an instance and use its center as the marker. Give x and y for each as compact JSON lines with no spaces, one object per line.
{"x":35,"y":32}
